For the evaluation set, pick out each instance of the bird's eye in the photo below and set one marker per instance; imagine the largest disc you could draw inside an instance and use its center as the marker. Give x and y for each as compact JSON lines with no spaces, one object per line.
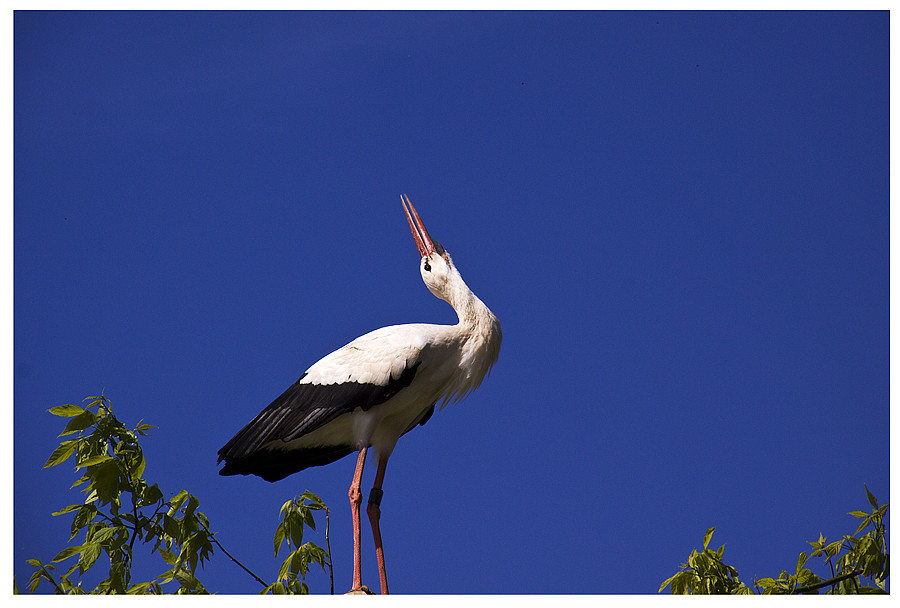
{"x":427,"y":266}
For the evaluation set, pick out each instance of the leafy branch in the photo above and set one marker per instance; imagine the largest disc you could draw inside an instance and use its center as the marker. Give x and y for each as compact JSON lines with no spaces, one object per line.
{"x":122,"y":508}
{"x":850,"y":559}
{"x":705,"y":573}
{"x":296,"y":514}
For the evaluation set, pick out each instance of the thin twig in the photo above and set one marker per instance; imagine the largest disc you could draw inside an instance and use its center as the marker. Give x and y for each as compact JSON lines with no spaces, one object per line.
{"x":213,"y":538}
{"x":134,"y":513}
{"x":328,"y":546}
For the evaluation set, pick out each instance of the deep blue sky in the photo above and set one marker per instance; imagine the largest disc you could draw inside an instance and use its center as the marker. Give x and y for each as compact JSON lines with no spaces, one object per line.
{"x":680,"y":218}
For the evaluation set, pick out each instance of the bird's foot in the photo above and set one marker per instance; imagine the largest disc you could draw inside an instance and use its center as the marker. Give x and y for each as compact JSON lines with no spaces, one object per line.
{"x":361,"y":590}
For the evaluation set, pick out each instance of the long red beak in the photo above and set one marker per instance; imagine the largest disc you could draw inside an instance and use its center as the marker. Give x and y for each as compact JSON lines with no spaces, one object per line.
{"x":424,"y":242}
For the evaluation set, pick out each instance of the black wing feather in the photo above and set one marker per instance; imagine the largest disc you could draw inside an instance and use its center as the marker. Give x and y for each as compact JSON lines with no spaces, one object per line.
{"x":299,"y":410}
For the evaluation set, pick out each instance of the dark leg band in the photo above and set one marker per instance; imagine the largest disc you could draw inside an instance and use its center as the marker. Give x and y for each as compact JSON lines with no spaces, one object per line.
{"x":375,"y":496}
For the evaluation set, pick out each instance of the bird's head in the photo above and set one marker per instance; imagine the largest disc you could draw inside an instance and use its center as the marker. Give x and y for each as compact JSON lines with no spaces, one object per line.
{"x":436,"y":266}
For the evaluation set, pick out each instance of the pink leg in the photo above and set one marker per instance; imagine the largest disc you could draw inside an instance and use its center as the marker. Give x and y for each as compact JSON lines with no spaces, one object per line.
{"x":355,"y":501}
{"x":373,"y":509}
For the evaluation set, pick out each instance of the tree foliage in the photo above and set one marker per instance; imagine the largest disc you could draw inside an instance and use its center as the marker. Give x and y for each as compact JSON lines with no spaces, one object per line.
{"x":296,"y":514}
{"x":853,"y":560}
{"x":121,"y":508}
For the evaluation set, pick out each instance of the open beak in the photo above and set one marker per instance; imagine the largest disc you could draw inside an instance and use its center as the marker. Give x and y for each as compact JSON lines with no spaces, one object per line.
{"x":424,"y":242}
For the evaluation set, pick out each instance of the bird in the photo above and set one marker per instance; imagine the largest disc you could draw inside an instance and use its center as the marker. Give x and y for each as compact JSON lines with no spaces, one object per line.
{"x":370,"y":392}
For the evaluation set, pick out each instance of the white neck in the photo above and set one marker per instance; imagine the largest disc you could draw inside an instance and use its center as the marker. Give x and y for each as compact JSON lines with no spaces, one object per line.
{"x":477,"y":324}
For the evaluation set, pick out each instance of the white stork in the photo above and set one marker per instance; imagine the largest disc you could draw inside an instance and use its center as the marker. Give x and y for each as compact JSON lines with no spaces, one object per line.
{"x":373,"y":390}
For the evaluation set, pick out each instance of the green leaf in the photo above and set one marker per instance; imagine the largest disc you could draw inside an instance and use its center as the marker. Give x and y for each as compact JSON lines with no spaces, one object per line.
{"x":104,"y":534}
{"x":201,"y":517}
{"x":833,"y":549}
{"x":84,"y":516}
{"x":168,"y":557}
{"x":150,"y":495}
{"x":68,"y":509}
{"x":871,"y":498}
{"x":279,"y":537}
{"x":278,"y":588}
{"x":89,"y":462}
{"x":118,"y":577}
{"x":295,"y":529}
{"x":61,"y":453}
{"x":89,"y":556}
{"x":139,"y":588}
{"x":105,"y":480}
{"x":315,"y":502}
{"x":67,"y":553}
{"x":187,"y":579}
{"x":176,"y":502}
{"x":863,"y":524}
{"x":284,"y":569}
{"x":708,"y":536}
{"x":137,"y":469}
{"x":300,"y":562}
{"x":308,"y":519}
{"x":166,"y":576}
{"x":800,"y":561}
{"x":141,"y":428}
{"x":80,"y":422}
{"x":172,"y":526}
{"x":858,"y":514}
{"x":193,"y":503}
{"x":67,"y":410}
